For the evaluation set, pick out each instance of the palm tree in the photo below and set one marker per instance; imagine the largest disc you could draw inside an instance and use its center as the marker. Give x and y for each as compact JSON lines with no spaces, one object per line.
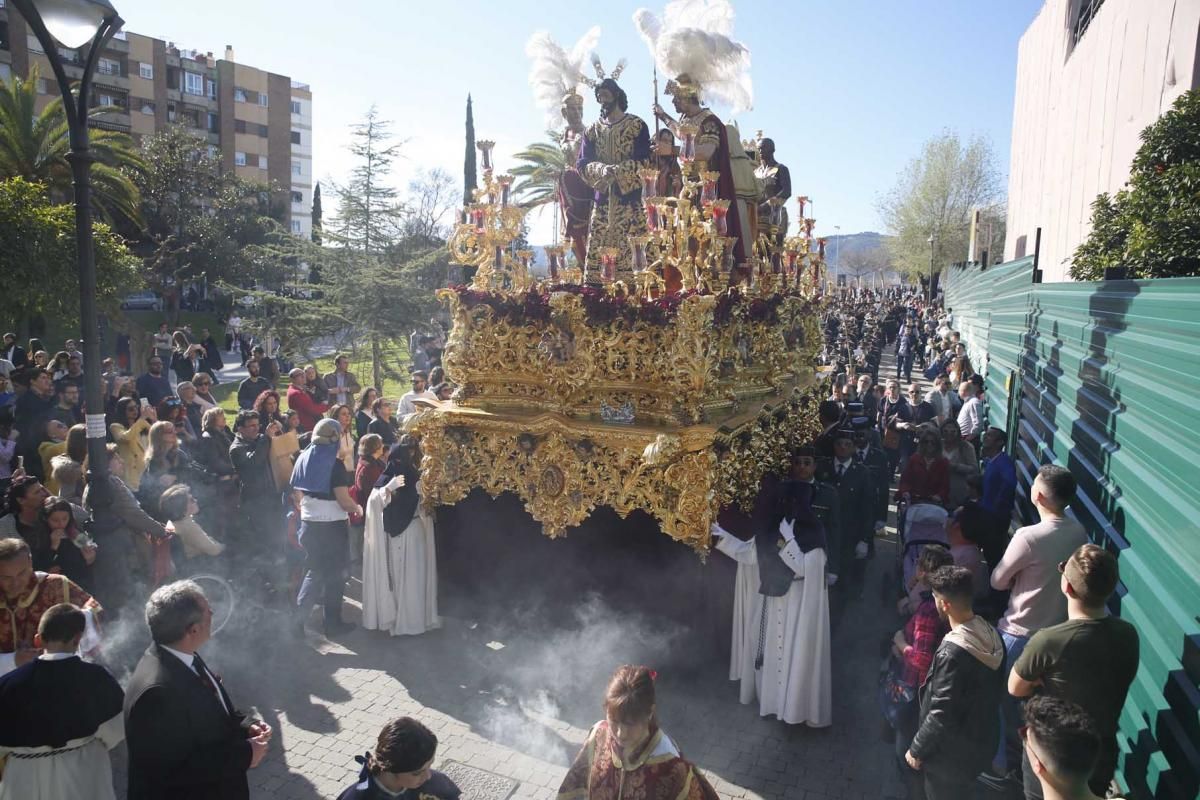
{"x":545,"y":162}
{"x":34,"y":146}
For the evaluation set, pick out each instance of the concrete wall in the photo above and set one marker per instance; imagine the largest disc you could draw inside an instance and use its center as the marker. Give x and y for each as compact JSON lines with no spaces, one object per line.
{"x":1079,"y":110}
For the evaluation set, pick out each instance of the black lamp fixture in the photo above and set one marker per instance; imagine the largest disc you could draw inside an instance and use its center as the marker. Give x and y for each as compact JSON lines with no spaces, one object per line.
{"x":73,"y":24}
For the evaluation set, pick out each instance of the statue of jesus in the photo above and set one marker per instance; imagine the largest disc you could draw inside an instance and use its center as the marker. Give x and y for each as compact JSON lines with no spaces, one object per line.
{"x":614,"y":148}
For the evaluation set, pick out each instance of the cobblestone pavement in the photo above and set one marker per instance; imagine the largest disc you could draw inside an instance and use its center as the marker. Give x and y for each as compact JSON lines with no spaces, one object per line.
{"x":513,"y":694}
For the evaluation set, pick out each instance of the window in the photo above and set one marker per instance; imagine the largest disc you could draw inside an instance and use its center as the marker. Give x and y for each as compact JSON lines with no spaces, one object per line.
{"x":296,"y":226}
{"x":110,"y":100}
{"x":5,"y":72}
{"x":262,"y":162}
{"x":296,"y":107}
{"x":43,"y":86}
{"x":146,"y":71}
{"x":212,"y":88}
{"x":213,"y":151}
{"x":262,"y":131}
{"x":262,"y":100}
{"x":193,"y":83}
{"x":214,"y":123}
{"x":295,"y":137}
{"x":239,"y":158}
{"x":239,"y":95}
{"x":297,"y":197}
{"x":1083,"y":18}
{"x":296,"y":168}
{"x":239,"y":126}
{"x":146,"y":107}
{"x":106,"y":66}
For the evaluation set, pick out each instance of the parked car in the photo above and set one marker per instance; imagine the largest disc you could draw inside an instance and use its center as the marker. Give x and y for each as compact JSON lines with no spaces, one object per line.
{"x":142,"y":301}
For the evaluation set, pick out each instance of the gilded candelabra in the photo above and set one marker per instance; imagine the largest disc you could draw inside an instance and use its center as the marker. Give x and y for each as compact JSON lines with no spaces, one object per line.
{"x":688,"y":235}
{"x":490,"y":225}
{"x":803,"y":261}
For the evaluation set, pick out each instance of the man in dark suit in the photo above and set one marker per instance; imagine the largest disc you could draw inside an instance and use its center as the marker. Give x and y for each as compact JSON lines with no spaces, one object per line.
{"x":186,"y":740}
{"x":13,"y":352}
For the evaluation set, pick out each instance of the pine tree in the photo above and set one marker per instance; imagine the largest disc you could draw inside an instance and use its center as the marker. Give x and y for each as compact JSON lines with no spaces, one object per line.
{"x":470,"y":180}
{"x":369,"y":223}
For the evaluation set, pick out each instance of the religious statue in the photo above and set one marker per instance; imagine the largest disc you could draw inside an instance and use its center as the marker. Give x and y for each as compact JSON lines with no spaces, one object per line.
{"x":716,"y":151}
{"x":554,"y":75}
{"x":614,"y":148}
{"x":775,"y":181}
{"x":575,"y":196}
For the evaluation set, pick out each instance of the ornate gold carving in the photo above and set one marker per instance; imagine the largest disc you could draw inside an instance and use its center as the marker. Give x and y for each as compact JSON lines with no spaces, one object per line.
{"x":563,"y":468}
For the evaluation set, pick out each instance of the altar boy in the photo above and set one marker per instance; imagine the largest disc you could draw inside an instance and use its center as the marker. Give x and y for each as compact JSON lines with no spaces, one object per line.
{"x":59,"y":717}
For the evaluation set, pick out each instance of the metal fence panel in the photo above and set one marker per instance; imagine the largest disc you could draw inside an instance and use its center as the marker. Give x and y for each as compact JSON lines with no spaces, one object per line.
{"x":1104,"y":379}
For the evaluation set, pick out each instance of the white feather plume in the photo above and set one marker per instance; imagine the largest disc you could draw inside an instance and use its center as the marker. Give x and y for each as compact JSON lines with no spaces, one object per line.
{"x":719,"y":64}
{"x":649,"y":26}
{"x":554,"y":71}
{"x":696,"y":37}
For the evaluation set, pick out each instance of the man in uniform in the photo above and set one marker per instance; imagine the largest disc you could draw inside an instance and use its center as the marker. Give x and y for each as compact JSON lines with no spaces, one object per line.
{"x":873,"y":458}
{"x":856,"y":493}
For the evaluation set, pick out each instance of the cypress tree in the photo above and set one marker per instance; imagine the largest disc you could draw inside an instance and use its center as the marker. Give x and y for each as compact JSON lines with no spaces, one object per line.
{"x":316,"y":215}
{"x":469,"y":171}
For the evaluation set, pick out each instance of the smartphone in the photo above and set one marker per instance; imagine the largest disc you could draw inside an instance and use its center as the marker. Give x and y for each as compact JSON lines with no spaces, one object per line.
{"x":145,"y":403}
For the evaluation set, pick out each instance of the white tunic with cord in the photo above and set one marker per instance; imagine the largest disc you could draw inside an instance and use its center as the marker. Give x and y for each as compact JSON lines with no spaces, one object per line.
{"x":399,"y":573}
{"x":794,"y":682}
{"x":745,"y":590}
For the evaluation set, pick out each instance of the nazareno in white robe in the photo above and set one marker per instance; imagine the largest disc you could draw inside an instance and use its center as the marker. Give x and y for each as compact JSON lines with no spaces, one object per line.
{"x":399,"y":573}
{"x":795,"y":680}
{"x":745,"y":590}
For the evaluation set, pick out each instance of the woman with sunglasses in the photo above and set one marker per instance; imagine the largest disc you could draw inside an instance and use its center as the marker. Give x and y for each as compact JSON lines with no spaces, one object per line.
{"x":926,"y":476}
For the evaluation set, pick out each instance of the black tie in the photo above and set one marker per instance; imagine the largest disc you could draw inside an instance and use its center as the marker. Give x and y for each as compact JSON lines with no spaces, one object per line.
{"x":206,"y":677}
{"x":841,"y":471}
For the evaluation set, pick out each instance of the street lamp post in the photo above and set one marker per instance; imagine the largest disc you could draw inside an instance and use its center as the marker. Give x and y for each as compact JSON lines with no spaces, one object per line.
{"x":73,"y":24}
{"x":929,"y":286}
{"x":837,"y":246}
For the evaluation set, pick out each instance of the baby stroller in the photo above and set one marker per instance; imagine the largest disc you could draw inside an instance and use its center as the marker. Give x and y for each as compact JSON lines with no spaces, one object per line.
{"x":920,"y":524}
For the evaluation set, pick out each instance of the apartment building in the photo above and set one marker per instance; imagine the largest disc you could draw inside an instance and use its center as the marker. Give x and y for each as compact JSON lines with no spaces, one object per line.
{"x":257,"y":123}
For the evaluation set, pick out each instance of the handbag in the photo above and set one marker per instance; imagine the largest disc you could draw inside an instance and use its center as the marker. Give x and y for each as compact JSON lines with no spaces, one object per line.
{"x":896,"y":696}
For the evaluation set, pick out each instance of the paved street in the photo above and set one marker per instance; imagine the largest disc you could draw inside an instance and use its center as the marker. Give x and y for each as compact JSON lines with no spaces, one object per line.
{"x":515,"y":691}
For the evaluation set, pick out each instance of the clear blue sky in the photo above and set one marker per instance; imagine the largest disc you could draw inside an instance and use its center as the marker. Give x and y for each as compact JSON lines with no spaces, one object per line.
{"x":849,"y":89}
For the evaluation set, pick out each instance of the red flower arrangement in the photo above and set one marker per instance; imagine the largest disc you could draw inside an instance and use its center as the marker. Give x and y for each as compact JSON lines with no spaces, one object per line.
{"x":603,"y":308}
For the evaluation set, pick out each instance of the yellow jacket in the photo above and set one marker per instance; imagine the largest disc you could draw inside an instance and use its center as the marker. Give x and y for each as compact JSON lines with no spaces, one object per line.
{"x":132,"y":449}
{"x":47,"y":451}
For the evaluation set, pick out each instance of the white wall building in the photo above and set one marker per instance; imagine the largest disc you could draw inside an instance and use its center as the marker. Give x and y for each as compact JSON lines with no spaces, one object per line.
{"x":1091,"y":74}
{"x":301,"y":167}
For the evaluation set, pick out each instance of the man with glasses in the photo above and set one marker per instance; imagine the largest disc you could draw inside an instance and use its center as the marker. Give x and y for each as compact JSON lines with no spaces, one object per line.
{"x":1089,"y":660}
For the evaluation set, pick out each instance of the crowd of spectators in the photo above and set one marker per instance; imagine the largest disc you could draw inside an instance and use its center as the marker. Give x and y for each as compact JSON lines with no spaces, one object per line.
{"x":987,"y":619}
{"x":992,"y":616}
